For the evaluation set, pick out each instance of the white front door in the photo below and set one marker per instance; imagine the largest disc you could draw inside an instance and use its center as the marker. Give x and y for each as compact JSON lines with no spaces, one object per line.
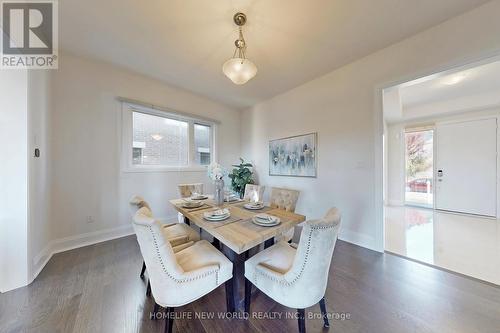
{"x":466,"y":167}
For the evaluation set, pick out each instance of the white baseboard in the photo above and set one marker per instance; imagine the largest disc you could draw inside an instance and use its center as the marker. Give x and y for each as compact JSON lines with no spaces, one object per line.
{"x":73,"y":242}
{"x":40,"y":260}
{"x":90,"y":238}
{"x":359,"y":239}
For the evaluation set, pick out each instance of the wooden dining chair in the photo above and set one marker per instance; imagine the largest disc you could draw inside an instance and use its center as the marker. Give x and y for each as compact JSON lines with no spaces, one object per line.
{"x":187,"y":190}
{"x":179,"y":235}
{"x":179,"y":278}
{"x":254,"y":192}
{"x":296,"y":277}
{"x":285,"y":199}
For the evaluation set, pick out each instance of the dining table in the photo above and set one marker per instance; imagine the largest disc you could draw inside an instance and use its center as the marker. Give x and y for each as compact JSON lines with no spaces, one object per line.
{"x":237,"y":236}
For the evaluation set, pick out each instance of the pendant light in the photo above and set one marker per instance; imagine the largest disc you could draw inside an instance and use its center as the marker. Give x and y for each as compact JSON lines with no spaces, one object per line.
{"x":239,"y":69}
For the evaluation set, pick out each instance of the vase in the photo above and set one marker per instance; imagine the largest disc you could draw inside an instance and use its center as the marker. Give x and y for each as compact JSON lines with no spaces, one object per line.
{"x":219,"y":192}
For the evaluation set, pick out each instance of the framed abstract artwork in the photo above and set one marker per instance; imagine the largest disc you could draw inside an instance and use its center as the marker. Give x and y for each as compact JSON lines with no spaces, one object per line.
{"x":294,"y":156}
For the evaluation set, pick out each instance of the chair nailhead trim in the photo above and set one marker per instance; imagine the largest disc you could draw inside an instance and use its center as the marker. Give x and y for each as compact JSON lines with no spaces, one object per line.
{"x":302,"y":268}
{"x":216,"y":271}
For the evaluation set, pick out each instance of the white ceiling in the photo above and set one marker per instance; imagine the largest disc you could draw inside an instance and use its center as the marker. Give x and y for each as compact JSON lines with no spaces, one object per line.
{"x":185,"y":42}
{"x":473,"y":88}
{"x":477,"y":80}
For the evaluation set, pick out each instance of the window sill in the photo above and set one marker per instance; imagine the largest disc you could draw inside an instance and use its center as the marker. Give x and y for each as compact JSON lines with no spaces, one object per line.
{"x":161,"y":169}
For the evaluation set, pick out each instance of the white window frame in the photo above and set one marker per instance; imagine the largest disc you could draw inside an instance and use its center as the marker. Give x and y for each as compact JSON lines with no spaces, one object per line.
{"x":127,"y":139}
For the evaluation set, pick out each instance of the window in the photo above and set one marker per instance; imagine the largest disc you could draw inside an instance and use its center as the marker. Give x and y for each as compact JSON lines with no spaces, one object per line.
{"x":202,"y":144}
{"x":163,"y":141}
{"x":136,"y":155}
{"x":156,"y":140}
{"x":419,"y":162}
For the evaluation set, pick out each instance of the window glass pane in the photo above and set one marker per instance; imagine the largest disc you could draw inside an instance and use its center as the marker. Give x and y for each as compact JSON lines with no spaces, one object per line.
{"x":159,"y":140}
{"x":202,"y":144}
{"x":419,"y":168}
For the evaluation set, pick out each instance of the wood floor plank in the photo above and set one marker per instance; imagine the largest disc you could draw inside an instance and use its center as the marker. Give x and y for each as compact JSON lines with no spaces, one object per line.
{"x":98,"y":289}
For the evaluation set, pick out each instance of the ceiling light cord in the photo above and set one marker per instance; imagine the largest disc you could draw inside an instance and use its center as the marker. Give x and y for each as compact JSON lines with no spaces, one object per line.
{"x":241,"y":45}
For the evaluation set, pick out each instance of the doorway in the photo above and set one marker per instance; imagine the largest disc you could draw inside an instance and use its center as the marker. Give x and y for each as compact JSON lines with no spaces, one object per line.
{"x":419,"y":166}
{"x":441,"y":176}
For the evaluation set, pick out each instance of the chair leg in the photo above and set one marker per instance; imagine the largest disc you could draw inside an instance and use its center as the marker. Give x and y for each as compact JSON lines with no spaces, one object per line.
{"x":170,"y":320}
{"x":248,"y":295}
{"x":322,"y":306}
{"x":229,"y":295}
{"x":148,"y":289}
{"x":143,"y":269}
{"x":301,"y":315}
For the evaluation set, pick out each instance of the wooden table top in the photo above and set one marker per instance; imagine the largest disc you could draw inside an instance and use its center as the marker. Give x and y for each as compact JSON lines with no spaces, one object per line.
{"x":239,"y":233}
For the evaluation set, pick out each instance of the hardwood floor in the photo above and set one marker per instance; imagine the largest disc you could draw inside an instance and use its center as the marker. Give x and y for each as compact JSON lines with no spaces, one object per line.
{"x":98,"y":289}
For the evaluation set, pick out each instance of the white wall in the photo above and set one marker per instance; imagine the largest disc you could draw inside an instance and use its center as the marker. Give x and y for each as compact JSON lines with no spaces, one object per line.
{"x":13,"y":179}
{"x":85,"y":143}
{"x":345,"y":108}
{"x":40,"y":233}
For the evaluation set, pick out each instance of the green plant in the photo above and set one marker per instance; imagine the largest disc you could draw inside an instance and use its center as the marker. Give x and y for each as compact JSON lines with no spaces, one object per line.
{"x":241,"y":176}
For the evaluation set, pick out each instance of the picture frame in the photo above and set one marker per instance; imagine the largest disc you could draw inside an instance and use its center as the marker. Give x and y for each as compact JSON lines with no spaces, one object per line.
{"x":294,"y":156}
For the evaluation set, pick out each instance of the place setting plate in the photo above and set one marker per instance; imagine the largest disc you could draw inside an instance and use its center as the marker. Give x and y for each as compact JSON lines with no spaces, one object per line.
{"x":217,"y":215}
{"x":190,"y":204}
{"x":266,"y":220}
{"x":198,"y":197}
{"x":254,"y":205}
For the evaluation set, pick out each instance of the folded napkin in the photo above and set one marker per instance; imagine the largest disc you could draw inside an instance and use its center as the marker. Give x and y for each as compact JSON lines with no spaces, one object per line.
{"x":218,"y":212}
{"x":266,"y":217}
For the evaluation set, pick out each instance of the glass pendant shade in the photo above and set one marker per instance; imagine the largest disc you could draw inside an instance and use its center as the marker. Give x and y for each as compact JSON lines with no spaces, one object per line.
{"x":239,"y":70}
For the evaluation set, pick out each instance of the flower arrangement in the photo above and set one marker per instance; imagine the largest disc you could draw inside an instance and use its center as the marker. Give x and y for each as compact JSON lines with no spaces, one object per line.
{"x":216,"y":172}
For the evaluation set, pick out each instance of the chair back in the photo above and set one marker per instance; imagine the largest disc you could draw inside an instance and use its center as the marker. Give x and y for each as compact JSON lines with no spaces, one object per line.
{"x":311,"y":266}
{"x":254,"y":192}
{"x":283,"y":198}
{"x":187,"y":190}
{"x":138,"y":202}
{"x":163,"y":269}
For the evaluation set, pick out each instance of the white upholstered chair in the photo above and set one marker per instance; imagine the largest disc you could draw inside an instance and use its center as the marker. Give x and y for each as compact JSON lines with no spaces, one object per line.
{"x":254,"y":192}
{"x":187,"y":190}
{"x":179,"y":235}
{"x":183,"y":277}
{"x":296,"y":278}
{"x":285,"y":199}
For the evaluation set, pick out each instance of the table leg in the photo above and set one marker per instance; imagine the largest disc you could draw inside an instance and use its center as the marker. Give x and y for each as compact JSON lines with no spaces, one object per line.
{"x":186,"y":220}
{"x":238,"y":260}
{"x":269,"y":242}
